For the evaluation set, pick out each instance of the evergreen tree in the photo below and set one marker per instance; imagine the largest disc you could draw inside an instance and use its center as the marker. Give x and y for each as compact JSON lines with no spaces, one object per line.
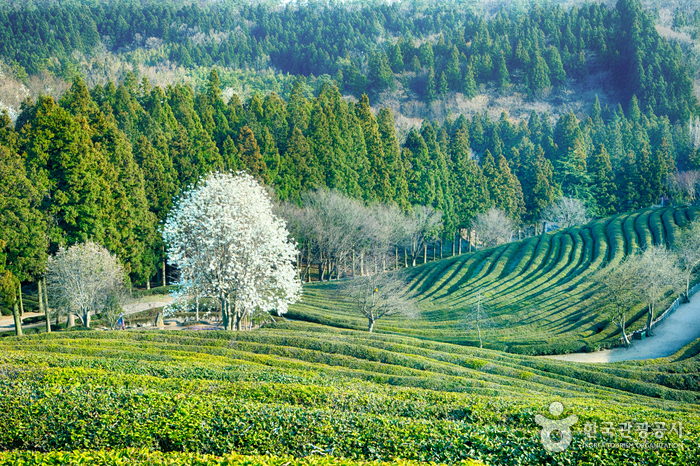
{"x":538,"y":76}
{"x":430,"y":91}
{"x":250,"y":156}
{"x":603,"y":187}
{"x":394,"y":160}
{"x":557,"y":73}
{"x":469,"y":85}
{"x":538,"y":185}
{"x":502,"y":76}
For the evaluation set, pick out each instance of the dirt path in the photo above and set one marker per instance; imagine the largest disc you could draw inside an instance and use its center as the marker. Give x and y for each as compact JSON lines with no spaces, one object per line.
{"x":676,"y":331}
{"x":7,"y":323}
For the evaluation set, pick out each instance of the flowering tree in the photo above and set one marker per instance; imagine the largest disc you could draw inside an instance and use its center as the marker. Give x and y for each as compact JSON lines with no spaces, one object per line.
{"x":227,"y":244}
{"x":85,"y":279}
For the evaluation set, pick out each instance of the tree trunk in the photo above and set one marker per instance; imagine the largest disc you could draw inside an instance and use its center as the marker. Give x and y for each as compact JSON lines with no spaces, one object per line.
{"x":148,"y":283}
{"x":405,"y":258}
{"x":21,"y":303}
{"x":196,"y":309}
{"x":44,"y":309}
{"x":238,"y":315}
{"x":362,"y":264}
{"x":441,"y":249}
{"x":371,"y":326}
{"x":459,"y":248}
{"x":71,"y":320}
{"x":41,"y":297}
{"x":425,"y":253}
{"x":353,"y":263}
{"x":621,"y":326}
{"x":396,"y":257}
{"x":162,"y":249}
{"x":225,"y":318}
{"x":85,"y":319}
{"x":18,"y":319}
{"x":650,"y":316}
{"x":454,"y":243}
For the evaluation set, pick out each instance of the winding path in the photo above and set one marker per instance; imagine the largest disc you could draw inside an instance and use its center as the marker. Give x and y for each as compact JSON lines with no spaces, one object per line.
{"x":672,"y":334}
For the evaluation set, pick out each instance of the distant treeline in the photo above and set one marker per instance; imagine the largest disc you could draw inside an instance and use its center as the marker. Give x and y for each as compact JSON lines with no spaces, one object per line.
{"x":431,"y":48}
{"x":106,"y":163}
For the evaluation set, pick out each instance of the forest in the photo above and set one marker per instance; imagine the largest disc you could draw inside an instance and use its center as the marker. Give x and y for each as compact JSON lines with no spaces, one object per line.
{"x":105,"y":163}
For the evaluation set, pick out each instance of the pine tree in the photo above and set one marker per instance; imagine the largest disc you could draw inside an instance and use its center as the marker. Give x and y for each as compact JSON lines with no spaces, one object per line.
{"x":628,"y":184}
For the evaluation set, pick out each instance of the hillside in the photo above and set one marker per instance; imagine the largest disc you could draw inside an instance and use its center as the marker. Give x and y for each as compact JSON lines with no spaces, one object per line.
{"x":313,"y":390}
{"x":535,"y":290}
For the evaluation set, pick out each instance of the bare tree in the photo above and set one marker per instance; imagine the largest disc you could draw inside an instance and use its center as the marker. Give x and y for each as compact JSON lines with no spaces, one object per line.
{"x":419,"y":228}
{"x":657,"y":275}
{"x":383,"y":230}
{"x":566,"y":212}
{"x":686,"y":183}
{"x":493,"y":227}
{"x":687,"y":249}
{"x":377,"y":295}
{"x":85,"y":279}
{"x":618,"y":288}
{"x":478,"y":318}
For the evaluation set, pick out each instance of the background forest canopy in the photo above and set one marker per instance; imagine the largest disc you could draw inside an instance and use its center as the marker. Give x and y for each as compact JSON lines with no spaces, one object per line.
{"x":105,"y":162}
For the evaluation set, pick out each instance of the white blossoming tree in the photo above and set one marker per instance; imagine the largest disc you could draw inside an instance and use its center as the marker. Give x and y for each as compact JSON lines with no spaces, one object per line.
{"x":227,"y":244}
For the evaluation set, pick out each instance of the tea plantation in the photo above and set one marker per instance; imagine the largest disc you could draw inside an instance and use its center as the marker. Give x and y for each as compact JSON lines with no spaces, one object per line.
{"x":536,"y":292}
{"x":305,"y":390}
{"x":318,"y":390}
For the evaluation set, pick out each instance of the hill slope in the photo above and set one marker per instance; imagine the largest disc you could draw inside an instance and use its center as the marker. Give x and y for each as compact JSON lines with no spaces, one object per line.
{"x":536,"y":291}
{"x":304,"y":389}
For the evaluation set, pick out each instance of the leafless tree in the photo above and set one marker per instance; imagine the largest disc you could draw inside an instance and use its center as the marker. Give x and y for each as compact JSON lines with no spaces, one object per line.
{"x":658,"y":274}
{"x":687,"y":249}
{"x":566,"y":212}
{"x":493,"y":227}
{"x":478,"y":318}
{"x":383,"y":230}
{"x":378,"y":295}
{"x":686,"y":183}
{"x":618,"y":289}
{"x":419,"y":228}
{"x":85,"y":279}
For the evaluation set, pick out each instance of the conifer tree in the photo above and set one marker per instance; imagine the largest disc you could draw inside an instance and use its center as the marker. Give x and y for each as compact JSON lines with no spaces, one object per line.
{"x":394,"y":160}
{"x":557,"y":73}
{"x":469,"y":85}
{"x":452,"y":70}
{"x":538,"y":185}
{"x":430,"y":88}
{"x":375,"y":152}
{"x":502,"y":76}
{"x":603,"y":187}
{"x":628,"y":184}
{"x":250,"y":156}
